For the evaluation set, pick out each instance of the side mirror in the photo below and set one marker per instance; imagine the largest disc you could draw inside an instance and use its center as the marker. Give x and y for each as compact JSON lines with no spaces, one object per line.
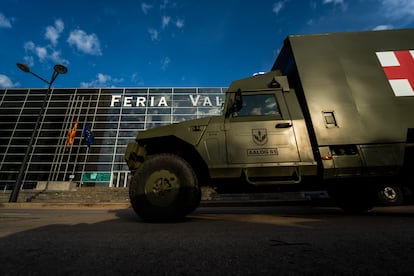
{"x":238,"y":101}
{"x":236,"y":105}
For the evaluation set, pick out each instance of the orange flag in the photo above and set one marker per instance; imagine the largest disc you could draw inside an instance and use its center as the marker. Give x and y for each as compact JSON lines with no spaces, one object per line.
{"x":72,"y":135}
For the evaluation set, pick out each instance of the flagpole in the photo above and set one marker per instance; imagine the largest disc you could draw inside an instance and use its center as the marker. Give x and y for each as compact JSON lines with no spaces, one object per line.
{"x":58,"y":69}
{"x":73,"y":131}
{"x":82,"y":135}
{"x":63,"y":138}
{"x":85,"y":140}
{"x":84,"y":165}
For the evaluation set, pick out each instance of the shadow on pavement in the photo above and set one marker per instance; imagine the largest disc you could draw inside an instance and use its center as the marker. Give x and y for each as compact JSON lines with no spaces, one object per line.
{"x":211,"y":241}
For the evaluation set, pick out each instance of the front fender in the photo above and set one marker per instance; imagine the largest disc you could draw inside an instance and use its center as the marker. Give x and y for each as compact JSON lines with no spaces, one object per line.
{"x":135,"y":155}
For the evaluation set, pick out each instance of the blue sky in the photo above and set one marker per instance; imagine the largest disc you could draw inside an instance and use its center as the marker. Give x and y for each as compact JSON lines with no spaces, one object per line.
{"x":163,"y":43}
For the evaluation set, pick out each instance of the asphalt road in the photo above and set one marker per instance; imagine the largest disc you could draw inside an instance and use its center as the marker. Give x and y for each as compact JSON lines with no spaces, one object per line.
{"x":293,"y":240}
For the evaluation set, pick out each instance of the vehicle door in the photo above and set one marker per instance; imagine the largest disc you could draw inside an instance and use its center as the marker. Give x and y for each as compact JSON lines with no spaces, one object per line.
{"x":261,"y":132}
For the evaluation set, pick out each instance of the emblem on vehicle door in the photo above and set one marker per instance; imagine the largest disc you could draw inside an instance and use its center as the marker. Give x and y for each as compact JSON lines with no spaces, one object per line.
{"x":259,"y":136}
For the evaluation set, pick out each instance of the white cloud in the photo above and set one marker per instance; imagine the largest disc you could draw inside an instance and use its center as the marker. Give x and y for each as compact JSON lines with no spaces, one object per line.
{"x":145,"y":7}
{"x":179,"y":23}
{"x":29,"y":60}
{"x":383,"y":27}
{"x":165,"y":21}
{"x":56,"y":57}
{"x":102,"y":80}
{"x":135,"y":78}
{"x":29,"y":46}
{"x":4,"y":22}
{"x":43,"y":53}
{"x":278,"y":6}
{"x":49,"y":52}
{"x":85,"y":43}
{"x":165,"y":63}
{"x":53,"y":32}
{"x":164,"y":4}
{"x":340,"y":3}
{"x":398,"y":9}
{"x":335,"y":2}
{"x":6,"y":82}
{"x":154,"y":34}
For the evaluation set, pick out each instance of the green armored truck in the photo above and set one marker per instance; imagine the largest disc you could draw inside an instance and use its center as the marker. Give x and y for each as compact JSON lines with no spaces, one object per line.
{"x":335,"y":113}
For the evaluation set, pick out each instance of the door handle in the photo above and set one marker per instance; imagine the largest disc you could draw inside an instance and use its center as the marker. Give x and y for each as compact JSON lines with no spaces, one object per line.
{"x":283,"y":125}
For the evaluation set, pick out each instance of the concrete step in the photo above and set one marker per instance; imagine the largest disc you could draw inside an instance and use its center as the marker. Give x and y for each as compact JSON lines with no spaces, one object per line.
{"x":80,"y":195}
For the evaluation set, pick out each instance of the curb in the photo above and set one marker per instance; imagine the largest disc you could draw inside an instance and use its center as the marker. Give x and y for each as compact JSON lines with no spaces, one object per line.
{"x":35,"y":205}
{"x":213,"y":200}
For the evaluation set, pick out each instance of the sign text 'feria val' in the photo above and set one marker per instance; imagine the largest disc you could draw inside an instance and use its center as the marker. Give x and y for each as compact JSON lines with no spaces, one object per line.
{"x":161,"y":101}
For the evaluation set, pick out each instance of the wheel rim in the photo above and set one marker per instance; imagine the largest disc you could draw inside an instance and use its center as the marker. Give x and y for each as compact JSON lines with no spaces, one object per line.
{"x":389,"y":193}
{"x":162,"y":187}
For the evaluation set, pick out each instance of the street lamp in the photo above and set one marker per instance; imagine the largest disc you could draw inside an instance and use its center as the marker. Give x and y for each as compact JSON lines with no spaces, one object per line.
{"x":57,"y":69}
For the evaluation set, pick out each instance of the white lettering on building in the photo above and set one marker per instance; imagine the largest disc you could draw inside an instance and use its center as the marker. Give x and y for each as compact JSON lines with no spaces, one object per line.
{"x":129,"y":101}
{"x":139,"y":101}
{"x":194,"y":102}
{"x":115,"y":99}
{"x":163,"y":102}
{"x":206,"y":102}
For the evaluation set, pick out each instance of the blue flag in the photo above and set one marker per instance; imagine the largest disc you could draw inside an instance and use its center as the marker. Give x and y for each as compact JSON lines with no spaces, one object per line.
{"x":87,"y":135}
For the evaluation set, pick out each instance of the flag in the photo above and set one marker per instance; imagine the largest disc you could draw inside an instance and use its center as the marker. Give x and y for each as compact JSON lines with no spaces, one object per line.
{"x":399,"y":70}
{"x":72,"y":134}
{"x":87,"y":135}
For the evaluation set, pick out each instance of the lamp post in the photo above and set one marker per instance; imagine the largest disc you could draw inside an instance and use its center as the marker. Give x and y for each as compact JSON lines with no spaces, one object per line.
{"x":57,"y":69}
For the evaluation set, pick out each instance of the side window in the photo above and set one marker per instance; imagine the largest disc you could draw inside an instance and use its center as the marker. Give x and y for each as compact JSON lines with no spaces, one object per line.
{"x":259,"y":105}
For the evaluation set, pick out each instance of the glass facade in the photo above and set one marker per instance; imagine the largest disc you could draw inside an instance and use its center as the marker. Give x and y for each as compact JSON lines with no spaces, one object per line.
{"x":114,"y":116}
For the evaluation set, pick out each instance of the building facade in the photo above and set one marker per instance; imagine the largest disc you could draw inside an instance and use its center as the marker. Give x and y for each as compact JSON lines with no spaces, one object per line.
{"x":113,"y":115}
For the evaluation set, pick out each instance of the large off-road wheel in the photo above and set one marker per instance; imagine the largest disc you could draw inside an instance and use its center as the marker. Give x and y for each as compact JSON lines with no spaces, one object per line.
{"x":165,"y":187}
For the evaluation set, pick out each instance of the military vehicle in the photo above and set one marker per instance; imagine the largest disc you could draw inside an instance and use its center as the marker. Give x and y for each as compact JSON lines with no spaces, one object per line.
{"x":336,"y":112}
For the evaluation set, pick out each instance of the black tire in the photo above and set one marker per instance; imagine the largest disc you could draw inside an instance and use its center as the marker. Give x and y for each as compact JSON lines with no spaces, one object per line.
{"x":164,"y":187}
{"x":390,"y":195}
{"x":354,"y":198}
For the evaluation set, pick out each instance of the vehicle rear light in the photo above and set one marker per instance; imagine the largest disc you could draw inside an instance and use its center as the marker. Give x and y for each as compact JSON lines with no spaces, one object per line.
{"x":327,"y":157}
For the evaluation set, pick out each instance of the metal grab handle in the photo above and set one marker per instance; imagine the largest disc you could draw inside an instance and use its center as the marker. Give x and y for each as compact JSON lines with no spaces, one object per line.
{"x":283,"y":125}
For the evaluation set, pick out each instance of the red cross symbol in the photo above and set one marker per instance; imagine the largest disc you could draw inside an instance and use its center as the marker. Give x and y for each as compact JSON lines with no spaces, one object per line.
{"x":404,"y":71}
